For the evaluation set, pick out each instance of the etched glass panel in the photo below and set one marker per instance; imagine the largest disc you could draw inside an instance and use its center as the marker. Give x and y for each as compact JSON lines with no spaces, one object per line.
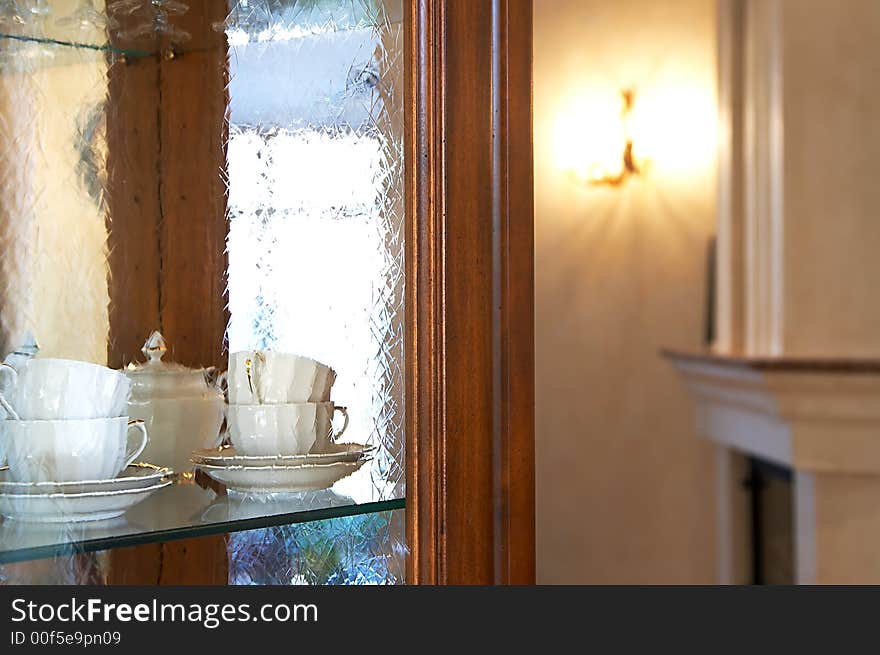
{"x":351,"y":550}
{"x":315,"y":201}
{"x":316,"y":246}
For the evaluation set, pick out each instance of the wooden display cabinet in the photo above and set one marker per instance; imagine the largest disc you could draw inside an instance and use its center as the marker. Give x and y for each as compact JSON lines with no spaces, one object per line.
{"x":466,"y":194}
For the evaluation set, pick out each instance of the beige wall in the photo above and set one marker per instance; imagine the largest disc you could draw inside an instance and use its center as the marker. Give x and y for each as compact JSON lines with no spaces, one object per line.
{"x":625,"y":488}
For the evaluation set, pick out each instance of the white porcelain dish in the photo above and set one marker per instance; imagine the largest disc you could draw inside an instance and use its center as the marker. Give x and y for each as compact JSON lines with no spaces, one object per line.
{"x":270,"y":479}
{"x":74,"y":507}
{"x":135,"y":476}
{"x":227,"y":456}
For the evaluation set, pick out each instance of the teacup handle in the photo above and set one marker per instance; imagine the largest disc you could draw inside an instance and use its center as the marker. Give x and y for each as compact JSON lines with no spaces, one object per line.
{"x":254,"y":366}
{"x":344,"y":410}
{"x":135,"y":453}
{"x":6,"y":371}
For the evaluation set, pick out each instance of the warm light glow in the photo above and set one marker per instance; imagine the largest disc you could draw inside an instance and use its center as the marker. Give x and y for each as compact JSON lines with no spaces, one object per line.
{"x":590,"y":135}
{"x":675,"y":128}
{"x":672,"y":128}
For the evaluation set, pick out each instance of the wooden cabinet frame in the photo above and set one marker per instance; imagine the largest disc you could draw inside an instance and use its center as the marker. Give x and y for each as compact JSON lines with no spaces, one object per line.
{"x":469,"y":272}
{"x":470,"y":384}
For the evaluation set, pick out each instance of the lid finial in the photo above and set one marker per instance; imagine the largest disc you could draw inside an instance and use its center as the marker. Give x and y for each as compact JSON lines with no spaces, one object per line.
{"x":154,"y":348}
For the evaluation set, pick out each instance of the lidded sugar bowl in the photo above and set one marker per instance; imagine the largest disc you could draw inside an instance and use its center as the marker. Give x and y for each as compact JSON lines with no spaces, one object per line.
{"x":182,"y":407}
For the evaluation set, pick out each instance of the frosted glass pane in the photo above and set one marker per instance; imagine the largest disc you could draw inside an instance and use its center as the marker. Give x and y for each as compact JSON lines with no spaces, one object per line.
{"x":315,"y":166}
{"x":351,"y":550}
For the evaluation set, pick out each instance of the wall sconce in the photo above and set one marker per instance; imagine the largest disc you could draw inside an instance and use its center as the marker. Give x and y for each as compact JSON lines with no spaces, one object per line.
{"x":605,"y":135}
{"x":628,"y":165}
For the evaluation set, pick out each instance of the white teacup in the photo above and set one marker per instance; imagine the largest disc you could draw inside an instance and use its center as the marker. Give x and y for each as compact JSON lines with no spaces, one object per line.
{"x":73,"y":450}
{"x":52,"y":389}
{"x":288,"y":429}
{"x":262,"y":377}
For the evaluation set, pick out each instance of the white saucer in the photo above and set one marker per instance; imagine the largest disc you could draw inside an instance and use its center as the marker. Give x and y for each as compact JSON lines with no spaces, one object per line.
{"x":304,"y":477}
{"x":135,"y":476}
{"x":226,"y":456}
{"x":73,"y":507}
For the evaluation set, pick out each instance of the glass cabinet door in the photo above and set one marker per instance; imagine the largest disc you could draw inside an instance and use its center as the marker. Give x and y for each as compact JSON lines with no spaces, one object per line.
{"x":181,"y":180}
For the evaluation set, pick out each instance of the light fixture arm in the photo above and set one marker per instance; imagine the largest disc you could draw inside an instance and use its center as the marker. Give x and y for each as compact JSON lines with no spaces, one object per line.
{"x":630,"y":166}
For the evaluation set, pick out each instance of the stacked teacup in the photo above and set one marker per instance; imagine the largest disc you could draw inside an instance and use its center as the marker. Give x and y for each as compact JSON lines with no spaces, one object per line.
{"x":279,"y":404}
{"x":66,"y":421}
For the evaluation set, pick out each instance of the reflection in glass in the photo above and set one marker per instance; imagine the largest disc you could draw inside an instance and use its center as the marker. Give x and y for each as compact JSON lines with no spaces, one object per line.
{"x":12,"y":13}
{"x":85,"y":18}
{"x":154,"y":18}
{"x":53,"y":227}
{"x":23,"y":17}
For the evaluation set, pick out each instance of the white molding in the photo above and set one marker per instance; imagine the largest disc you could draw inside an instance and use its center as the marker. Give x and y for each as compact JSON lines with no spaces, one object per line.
{"x":763,"y":165}
{"x":776,"y":188}
{"x":809,"y":421}
{"x":729,"y":259}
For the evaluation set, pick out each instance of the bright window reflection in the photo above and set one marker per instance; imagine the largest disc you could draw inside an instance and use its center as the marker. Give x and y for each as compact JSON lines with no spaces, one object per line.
{"x":305,"y":254}
{"x":315,"y":175}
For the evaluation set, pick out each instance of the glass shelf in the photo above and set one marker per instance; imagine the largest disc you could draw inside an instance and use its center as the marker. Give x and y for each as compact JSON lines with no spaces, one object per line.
{"x":6,"y":39}
{"x":180,"y":511}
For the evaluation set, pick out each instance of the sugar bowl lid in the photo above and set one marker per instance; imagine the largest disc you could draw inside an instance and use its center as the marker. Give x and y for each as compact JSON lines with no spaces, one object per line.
{"x":158,"y":379}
